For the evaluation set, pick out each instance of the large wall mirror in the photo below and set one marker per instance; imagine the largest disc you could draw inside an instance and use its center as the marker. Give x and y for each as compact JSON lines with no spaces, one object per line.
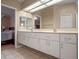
{"x":37,"y":22}
{"x":22,"y":22}
{"x":25,"y":22}
{"x":29,"y":23}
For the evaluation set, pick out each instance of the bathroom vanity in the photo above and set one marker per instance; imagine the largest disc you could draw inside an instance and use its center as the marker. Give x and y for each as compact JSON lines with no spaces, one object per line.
{"x":57,"y":36}
{"x":60,"y":45}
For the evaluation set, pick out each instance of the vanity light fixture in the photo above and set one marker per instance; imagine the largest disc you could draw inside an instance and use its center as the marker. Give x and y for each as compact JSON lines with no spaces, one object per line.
{"x":41,"y":4}
{"x":53,"y":2}
{"x":38,"y":8}
{"x":45,"y":1}
{"x":36,"y":4}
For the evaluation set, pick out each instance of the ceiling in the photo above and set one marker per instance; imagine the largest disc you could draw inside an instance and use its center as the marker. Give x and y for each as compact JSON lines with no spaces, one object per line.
{"x":25,"y":3}
{"x":20,"y":1}
{"x":28,"y":1}
{"x":67,"y":1}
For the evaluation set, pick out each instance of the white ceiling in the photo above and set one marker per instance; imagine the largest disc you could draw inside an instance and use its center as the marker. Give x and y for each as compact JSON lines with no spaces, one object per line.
{"x":30,"y":2}
{"x":20,"y":1}
{"x":64,"y":1}
{"x":26,"y":3}
{"x":67,"y":1}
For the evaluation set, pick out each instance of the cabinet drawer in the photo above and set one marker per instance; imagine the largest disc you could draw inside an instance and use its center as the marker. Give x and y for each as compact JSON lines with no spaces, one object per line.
{"x":69,"y":38}
{"x":36,"y":35}
{"x":28,"y":34}
{"x":43,"y":35}
{"x":54,"y":37}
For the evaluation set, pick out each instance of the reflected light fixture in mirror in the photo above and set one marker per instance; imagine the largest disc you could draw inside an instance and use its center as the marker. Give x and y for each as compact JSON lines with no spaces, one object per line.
{"x":22,"y":24}
{"x":35,"y":18}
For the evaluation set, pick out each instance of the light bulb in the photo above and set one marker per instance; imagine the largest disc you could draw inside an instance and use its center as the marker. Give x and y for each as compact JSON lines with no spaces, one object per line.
{"x":22,"y":24}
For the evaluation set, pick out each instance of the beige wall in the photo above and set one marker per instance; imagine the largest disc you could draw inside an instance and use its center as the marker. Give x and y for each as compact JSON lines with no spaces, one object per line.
{"x":5,"y":22}
{"x":51,"y":15}
{"x":12,"y":3}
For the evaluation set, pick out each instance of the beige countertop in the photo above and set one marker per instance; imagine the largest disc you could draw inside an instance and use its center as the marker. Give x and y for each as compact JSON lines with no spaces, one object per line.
{"x":53,"y":30}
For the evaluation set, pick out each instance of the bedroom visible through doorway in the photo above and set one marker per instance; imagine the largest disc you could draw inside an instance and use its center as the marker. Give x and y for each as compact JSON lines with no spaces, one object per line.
{"x":7,"y":25}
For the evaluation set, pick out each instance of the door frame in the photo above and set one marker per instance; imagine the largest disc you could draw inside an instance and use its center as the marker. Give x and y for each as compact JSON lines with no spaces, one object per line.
{"x":15,"y":9}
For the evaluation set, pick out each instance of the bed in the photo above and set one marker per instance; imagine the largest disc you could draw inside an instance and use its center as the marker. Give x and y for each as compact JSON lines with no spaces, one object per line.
{"x":6,"y":36}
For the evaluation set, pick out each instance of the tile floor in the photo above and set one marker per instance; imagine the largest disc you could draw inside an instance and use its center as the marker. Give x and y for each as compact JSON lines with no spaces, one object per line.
{"x":9,"y":52}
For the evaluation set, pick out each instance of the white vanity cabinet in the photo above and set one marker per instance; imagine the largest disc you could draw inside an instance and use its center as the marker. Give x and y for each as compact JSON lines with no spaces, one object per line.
{"x":68,"y":47}
{"x":50,"y":43}
{"x":63,"y":46}
{"x":44,"y":42}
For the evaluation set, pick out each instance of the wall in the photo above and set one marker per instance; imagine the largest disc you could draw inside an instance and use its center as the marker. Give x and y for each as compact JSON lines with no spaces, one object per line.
{"x":51,"y":15}
{"x":10,"y":12}
{"x":5,"y":22}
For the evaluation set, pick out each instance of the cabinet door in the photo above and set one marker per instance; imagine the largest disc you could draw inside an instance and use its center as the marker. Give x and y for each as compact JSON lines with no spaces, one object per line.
{"x":69,"y":51}
{"x":26,"y":41}
{"x":31,"y":43}
{"x":20,"y":37}
{"x":54,"y":48}
{"x":43,"y":45}
{"x":68,"y":45}
{"x":36,"y":43}
{"x":48,"y":46}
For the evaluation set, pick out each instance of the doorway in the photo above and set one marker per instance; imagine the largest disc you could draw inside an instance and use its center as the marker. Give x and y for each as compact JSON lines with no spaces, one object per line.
{"x":7,"y":25}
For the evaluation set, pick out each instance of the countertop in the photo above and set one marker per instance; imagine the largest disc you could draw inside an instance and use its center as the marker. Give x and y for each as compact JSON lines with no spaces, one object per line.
{"x":52,"y":30}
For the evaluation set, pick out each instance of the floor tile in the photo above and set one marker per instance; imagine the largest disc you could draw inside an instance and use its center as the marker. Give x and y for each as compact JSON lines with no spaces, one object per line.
{"x":9,"y":52}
